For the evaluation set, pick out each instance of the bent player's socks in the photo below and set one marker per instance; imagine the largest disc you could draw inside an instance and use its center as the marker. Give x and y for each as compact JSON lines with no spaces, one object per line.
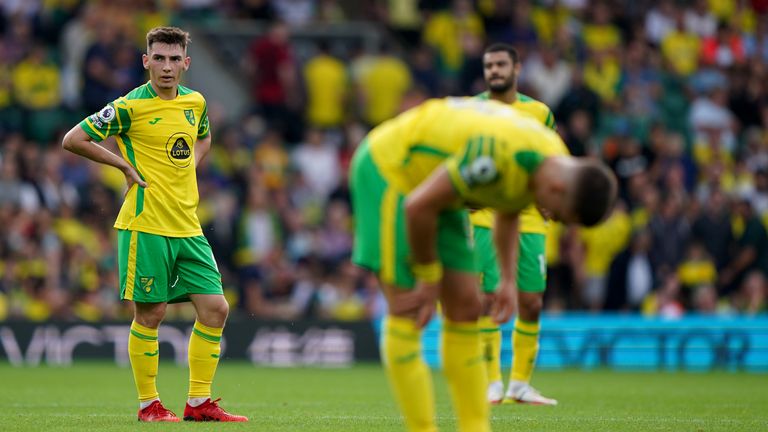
{"x":408,"y":374}
{"x":464,"y":369}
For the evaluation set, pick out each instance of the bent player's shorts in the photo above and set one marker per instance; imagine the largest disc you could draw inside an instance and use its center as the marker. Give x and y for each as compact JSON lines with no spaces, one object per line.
{"x":531,"y":262}
{"x":381,"y":241}
{"x":485,"y":254}
{"x":155,"y":269}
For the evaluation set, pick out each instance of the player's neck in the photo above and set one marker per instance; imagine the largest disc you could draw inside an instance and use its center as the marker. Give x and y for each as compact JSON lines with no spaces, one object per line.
{"x":165,"y":94}
{"x":508,"y":97}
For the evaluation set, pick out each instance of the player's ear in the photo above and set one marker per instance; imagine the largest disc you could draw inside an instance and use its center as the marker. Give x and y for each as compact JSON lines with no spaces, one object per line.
{"x":187,"y":61}
{"x":145,"y":61}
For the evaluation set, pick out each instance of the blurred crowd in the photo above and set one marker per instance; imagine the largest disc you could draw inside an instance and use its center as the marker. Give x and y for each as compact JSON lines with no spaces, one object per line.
{"x":671,"y":94}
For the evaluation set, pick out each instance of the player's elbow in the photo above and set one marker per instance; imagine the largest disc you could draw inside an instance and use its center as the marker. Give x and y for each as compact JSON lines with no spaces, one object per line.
{"x":68,"y":143}
{"x":74,"y":139}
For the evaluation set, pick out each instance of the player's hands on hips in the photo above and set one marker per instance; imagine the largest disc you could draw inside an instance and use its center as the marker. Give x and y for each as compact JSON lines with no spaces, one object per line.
{"x":504,"y":302}
{"x":132,"y":177}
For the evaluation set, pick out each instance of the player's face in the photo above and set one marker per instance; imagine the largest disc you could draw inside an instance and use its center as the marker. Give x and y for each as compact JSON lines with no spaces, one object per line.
{"x":499,"y":71}
{"x":555,"y":205}
{"x":165,"y":64}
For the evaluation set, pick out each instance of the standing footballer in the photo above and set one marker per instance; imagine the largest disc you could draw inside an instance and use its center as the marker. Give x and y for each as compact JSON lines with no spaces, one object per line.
{"x":162,"y":131}
{"x":501,"y":67}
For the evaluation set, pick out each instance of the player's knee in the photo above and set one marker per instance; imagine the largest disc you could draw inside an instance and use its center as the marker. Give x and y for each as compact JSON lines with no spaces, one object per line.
{"x":530,"y":304}
{"x":217,"y":311}
{"x":150,"y":314}
{"x":466,"y":308}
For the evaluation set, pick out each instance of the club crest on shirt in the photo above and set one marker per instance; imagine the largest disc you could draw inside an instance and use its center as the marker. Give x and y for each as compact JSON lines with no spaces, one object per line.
{"x":190,"y":115}
{"x":146,"y":283}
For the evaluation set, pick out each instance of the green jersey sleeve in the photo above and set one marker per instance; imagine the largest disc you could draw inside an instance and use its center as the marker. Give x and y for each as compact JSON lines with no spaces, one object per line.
{"x":550,"y":121}
{"x":113,"y":119}
{"x":204,"y":129}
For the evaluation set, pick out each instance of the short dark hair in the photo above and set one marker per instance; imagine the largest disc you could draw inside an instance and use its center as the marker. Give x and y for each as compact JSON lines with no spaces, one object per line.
{"x":168,"y":35}
{"x":509,"y":49}
{"x":594,"y":192}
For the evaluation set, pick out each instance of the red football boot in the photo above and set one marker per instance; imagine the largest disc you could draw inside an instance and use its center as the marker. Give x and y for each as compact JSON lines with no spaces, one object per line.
{"x":210,"y":411}
{"x":156,"y":412}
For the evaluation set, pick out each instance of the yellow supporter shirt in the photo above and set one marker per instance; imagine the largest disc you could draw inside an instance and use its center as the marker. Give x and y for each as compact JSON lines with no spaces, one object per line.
{"x":445,"y":32}
{"x":489,"y":149}
{"x":697,"y":272}
{"x":384,"y":82}
{"x":604,"y":241}
{"x":603,"y":78}
{"x":601,"y":37}
{"x":158,"y":138}
{"x":326,"y":80}
{"x":681,"y":50}
{"x":531,"y":220}
{"x":37,"y":86}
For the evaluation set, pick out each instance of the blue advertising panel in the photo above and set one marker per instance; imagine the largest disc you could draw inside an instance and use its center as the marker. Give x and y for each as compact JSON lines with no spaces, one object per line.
{"x":634,"y":342}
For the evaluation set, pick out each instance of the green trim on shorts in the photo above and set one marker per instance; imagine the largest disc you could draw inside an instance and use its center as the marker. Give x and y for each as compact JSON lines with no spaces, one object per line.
{"x":381,"y":238}
{"x":159,"y":269}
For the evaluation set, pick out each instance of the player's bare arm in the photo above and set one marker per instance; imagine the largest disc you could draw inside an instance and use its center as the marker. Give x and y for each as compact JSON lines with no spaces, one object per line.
{"x":506,"y":238}
{"x":422,"y":208}
{"x":78,"y":142}
{"x":202,"y":147}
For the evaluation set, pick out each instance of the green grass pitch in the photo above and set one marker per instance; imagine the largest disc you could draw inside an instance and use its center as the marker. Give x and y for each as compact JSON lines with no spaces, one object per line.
{"x":101,"y":397}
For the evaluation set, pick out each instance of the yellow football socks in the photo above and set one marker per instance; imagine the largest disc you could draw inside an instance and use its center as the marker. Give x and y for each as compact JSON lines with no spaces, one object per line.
{"x":143,"y":351}
{"x":490,"y":337}
{"x":204,"y":350}
{"x":525,"y":347}
{"x":464,"y":368}
{"x":408,"y":374}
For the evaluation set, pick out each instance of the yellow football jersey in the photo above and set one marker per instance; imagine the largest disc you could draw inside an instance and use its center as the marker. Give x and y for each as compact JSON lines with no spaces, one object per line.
{"x":489,"y":150}
{"x":531,"y":220}
{"x":158,"y":138}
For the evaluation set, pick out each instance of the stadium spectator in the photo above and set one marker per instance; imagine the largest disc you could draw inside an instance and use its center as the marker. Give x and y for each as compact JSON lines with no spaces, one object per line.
{"x":751,"y":251}
{"x":325,"y":78}
{"x":382,"y":81}
{"x":548,"y":76}
{"x":271,"y":67}
{"x":631,"y":275}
